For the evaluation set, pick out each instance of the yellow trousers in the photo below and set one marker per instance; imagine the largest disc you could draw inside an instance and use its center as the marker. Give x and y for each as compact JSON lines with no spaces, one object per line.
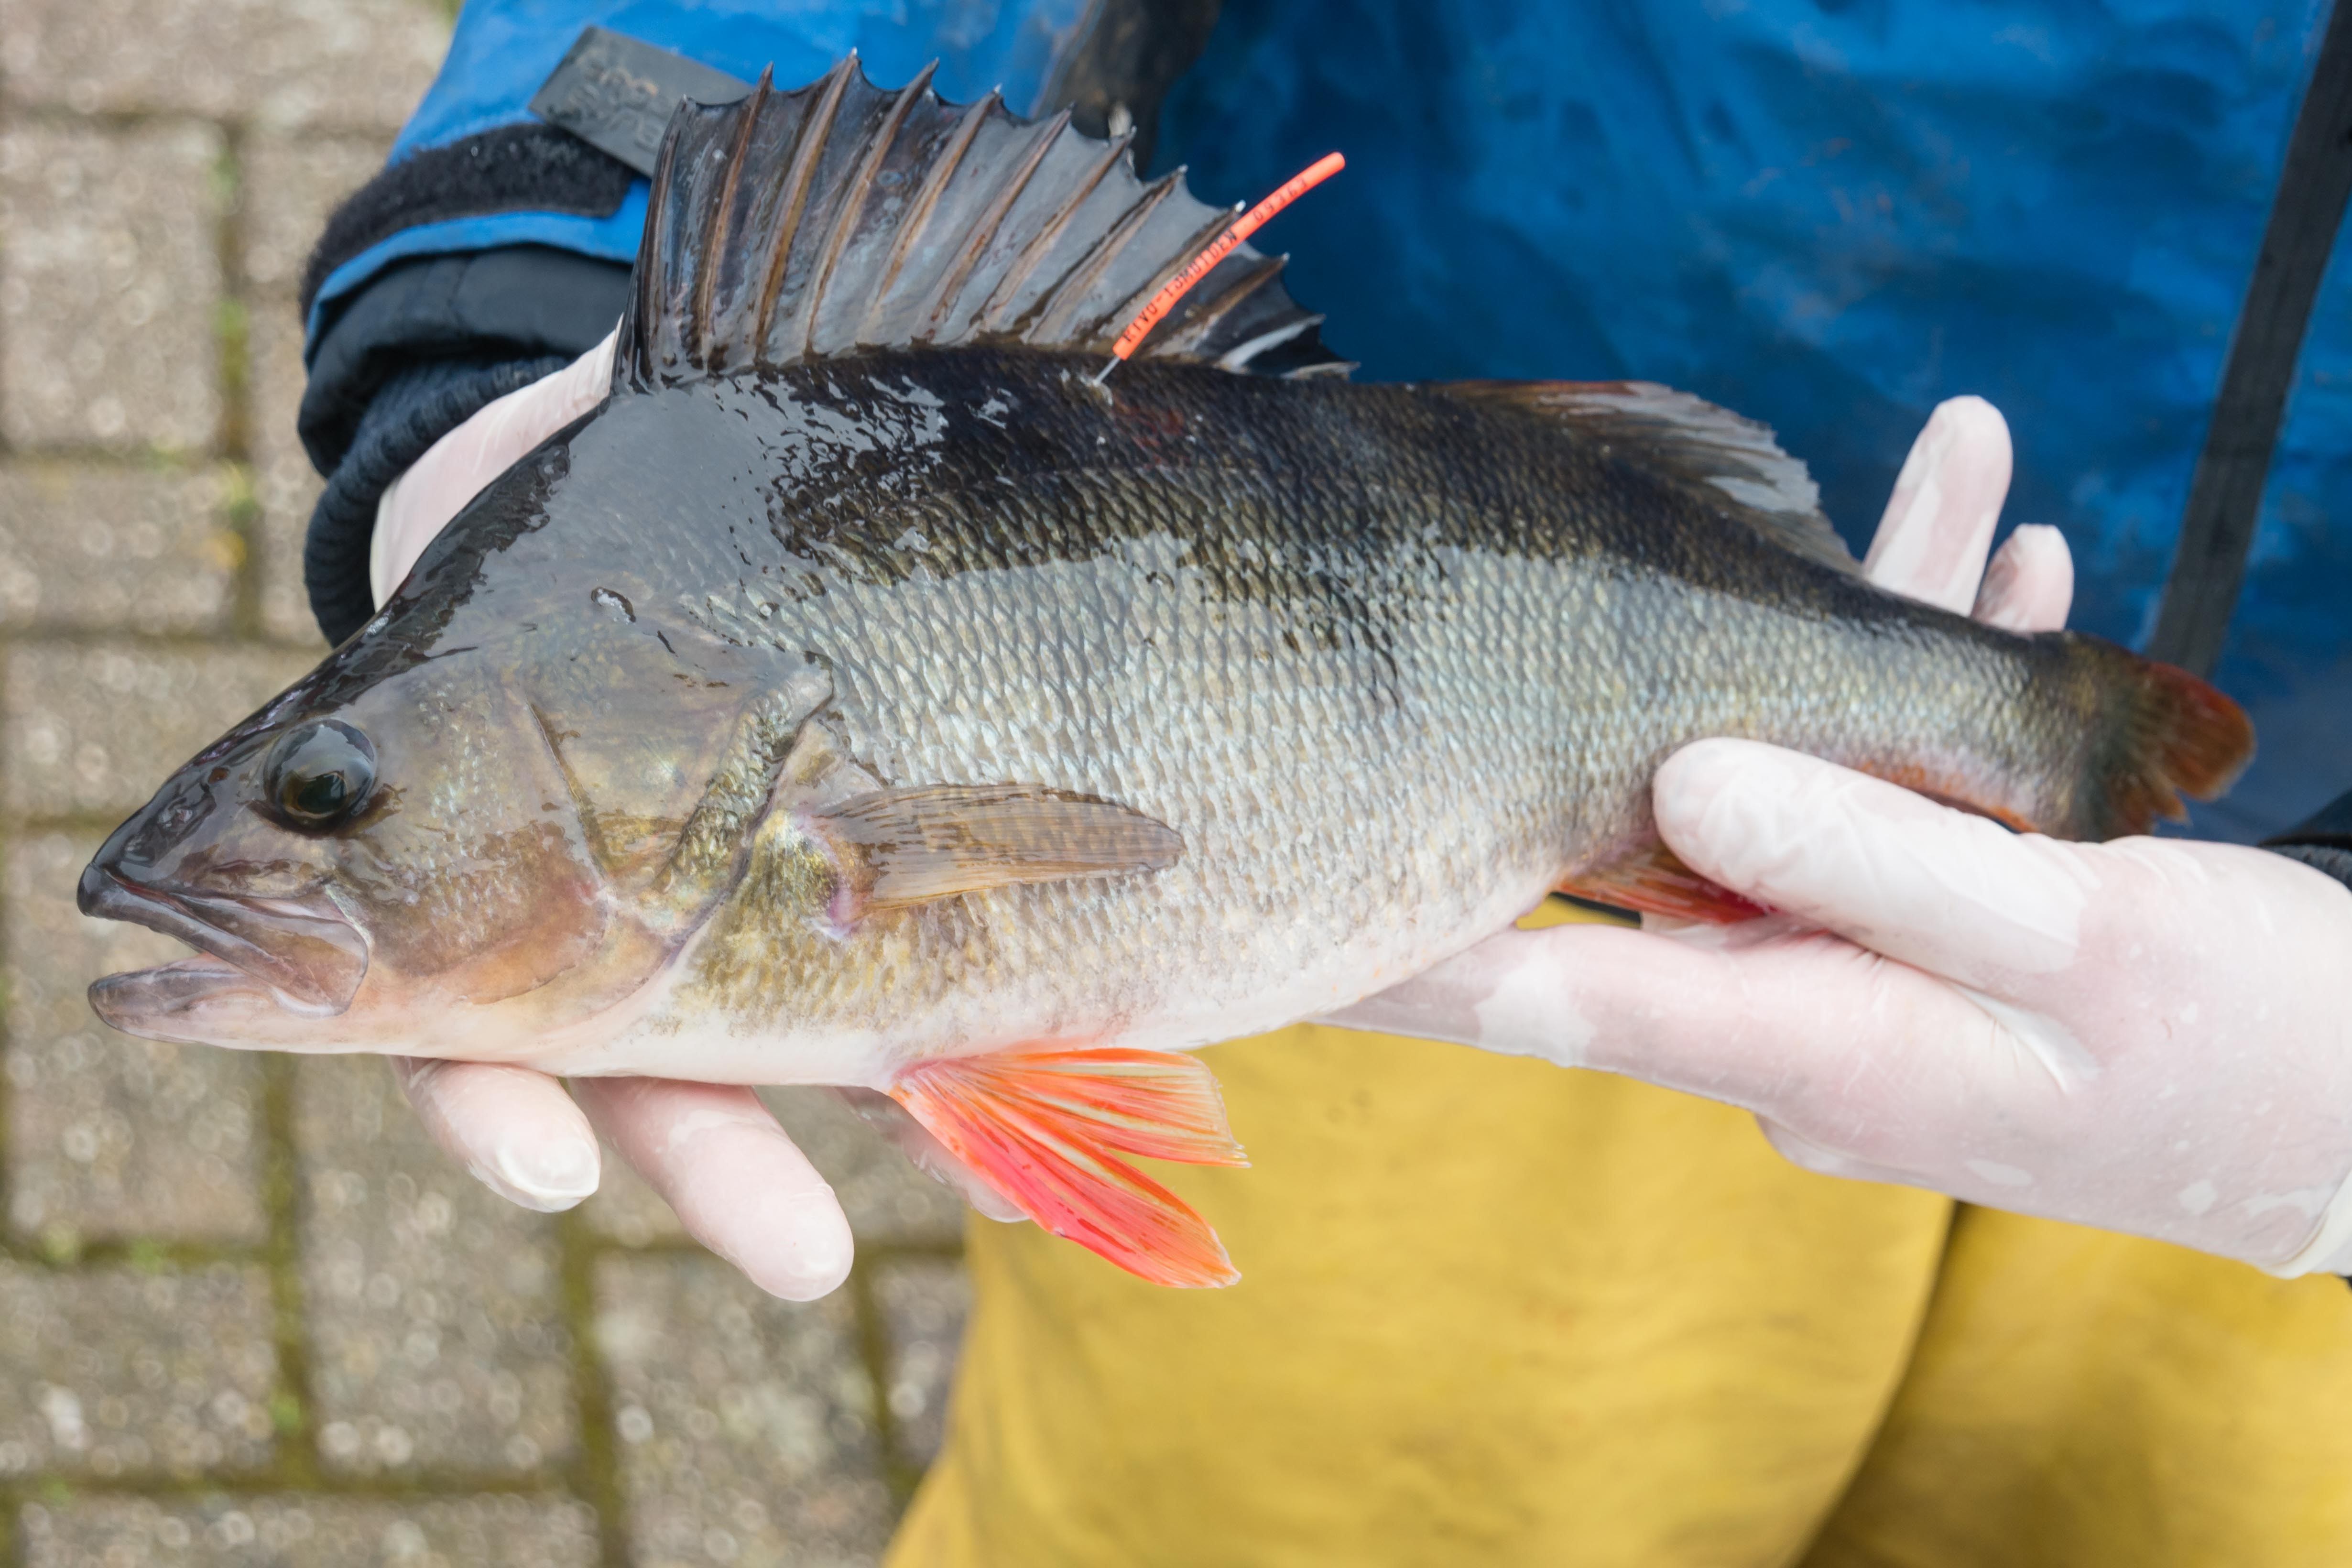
{"x":1494,"y":1312}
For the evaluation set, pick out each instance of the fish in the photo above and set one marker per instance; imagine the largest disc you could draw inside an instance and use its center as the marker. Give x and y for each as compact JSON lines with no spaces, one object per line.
{"x":873,"y":692}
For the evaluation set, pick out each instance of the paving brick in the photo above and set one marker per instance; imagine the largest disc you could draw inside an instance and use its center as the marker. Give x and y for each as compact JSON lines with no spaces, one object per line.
{"x":299,"y":1531}
{"x":109,"y":1137}
{"x":746,"y":1423}
{"x":288,"y":186}
{"x":120,"y":1372}
{"x":96,"y":728}
{"x":924,"y":1302}
{"x":360,"y":63}
{"x":109,"y":284}
{"x":107,"y":547}
{"x":284,"y":482}
{"x":434,"y":1316}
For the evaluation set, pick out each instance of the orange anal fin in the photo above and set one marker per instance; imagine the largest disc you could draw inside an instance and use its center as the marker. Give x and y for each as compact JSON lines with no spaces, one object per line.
{"x":1653,"y":881}
{"x":1044,"y":1128}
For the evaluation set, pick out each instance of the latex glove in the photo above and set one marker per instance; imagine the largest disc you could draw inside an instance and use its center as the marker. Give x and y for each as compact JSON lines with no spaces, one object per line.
{"x":2147,"y":1036}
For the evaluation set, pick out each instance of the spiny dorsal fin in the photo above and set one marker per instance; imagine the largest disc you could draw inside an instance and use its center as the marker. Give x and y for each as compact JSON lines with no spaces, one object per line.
{"x":1731,"y":457}
{"x":840,"y":218}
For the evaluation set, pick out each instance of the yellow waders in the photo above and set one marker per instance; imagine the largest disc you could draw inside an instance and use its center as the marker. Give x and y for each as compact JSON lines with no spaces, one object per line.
{"x":1492,"y":1312}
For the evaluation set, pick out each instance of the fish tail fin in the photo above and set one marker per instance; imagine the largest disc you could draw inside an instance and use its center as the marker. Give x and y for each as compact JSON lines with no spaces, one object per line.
{"x":2158,"y":733}
{"x":2142,"y":735}
{"x":1044,"y":1128}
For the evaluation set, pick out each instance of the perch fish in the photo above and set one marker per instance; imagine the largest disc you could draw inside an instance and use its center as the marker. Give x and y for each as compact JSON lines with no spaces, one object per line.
{"x":869,"y":693}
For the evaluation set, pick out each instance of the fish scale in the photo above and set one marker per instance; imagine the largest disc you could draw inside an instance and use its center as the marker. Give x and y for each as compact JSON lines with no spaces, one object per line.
{"x":935,"y":716}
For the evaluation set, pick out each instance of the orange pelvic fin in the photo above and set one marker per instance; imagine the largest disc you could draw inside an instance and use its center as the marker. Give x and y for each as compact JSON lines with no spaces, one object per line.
{"x":1044,"y":1127}
{"x":1653,"y":880}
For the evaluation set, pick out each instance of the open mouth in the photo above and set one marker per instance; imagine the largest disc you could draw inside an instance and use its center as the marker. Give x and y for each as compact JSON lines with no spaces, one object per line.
{"x":299,"y":954}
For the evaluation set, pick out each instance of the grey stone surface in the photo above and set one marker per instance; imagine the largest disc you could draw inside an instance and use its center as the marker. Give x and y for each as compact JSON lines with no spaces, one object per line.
{"x":289,"y":183}
{"x":109,"y":547}
{"x":284,"y":483}
{"x":361,"y":63}
{"x":924,"y":1302}
{"x":299,"y":1531}
{"x":109,"y":284}
{"x":108,"y":1137}
{"x":94,"y":728}
{"x":437,"y":1329}
{"x":746,"y":1424}
{"x":118,"y":1371}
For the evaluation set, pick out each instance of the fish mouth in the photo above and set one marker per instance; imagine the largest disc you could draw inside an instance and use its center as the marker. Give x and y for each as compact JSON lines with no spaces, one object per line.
{"x":300,"y":954}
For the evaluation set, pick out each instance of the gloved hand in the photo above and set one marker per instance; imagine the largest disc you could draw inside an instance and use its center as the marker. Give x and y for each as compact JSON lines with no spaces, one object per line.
{"x":2147,"y":1036}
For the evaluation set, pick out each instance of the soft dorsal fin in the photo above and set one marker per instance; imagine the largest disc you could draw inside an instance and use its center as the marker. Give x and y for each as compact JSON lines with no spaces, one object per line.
{"x":791,"y":227}
{"x":1734,"y":459}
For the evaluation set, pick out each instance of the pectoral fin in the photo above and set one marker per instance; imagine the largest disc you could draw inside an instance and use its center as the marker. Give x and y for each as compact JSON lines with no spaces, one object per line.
{"x":1044,"y":1129}
{"x":902,"y":847}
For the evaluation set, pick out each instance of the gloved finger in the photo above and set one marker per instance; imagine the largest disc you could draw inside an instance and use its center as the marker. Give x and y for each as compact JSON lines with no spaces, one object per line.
{"x":1953,"y":894}
{"x":1836,"y":1044}
{"x":927,"y":1154}
{"x":1932,"y":538}
{"x":414,"y":507}
{"x":1806,"y":1154}
{"x":1517,"y":993}
{"x":514,"y":1129}
{"x":2030,"y":585}
{"x":739,"y":1184}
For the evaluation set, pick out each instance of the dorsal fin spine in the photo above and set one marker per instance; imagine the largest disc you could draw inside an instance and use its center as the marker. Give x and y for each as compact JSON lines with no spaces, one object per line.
{"x":1206,"y":313}
{"x":808,"y":150}
{"x":715,"y":234}
{"x":852,"y":207}
{"x":927,"y":201}
{"x":1001,"y":298}
{"x":1050,"y":321}
{"x":1000,"y":207}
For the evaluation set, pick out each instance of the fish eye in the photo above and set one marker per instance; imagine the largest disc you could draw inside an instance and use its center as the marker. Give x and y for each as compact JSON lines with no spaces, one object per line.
{"x":320,"y":773}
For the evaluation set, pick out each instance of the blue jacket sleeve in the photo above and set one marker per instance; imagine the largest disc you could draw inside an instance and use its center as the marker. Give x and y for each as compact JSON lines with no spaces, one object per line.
{"x":503,"y":49}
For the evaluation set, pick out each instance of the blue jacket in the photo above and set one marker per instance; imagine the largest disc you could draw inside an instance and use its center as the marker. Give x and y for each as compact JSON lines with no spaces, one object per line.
{"x":1827,"y":217}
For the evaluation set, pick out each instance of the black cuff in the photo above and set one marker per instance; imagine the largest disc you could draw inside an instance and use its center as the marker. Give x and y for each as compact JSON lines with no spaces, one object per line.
{"x":519,"y":303}
{"x":413,"y":409}
{"x":410,"y":357}
{"x":2321,"y":841}
{"x":516,"y":168}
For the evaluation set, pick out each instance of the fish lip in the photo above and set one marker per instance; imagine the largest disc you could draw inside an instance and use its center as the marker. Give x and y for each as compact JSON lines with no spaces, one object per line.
{"x":303,"y":951}
{"x":167,"y":1002}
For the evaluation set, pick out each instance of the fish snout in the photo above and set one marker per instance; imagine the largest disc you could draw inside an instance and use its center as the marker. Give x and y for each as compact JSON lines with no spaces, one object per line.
{"x":303,"y":949}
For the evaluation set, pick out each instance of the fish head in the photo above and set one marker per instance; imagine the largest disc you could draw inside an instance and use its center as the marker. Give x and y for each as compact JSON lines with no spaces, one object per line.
{"x":402,"y":864}
{"x":453,"y":837}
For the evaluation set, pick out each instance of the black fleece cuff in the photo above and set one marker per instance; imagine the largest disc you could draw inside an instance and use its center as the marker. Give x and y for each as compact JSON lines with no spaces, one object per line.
{"x":414,"y":407}
{"x":517,"y":302}
{"x":2321,"y":841}
{"x":411,"y":356}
